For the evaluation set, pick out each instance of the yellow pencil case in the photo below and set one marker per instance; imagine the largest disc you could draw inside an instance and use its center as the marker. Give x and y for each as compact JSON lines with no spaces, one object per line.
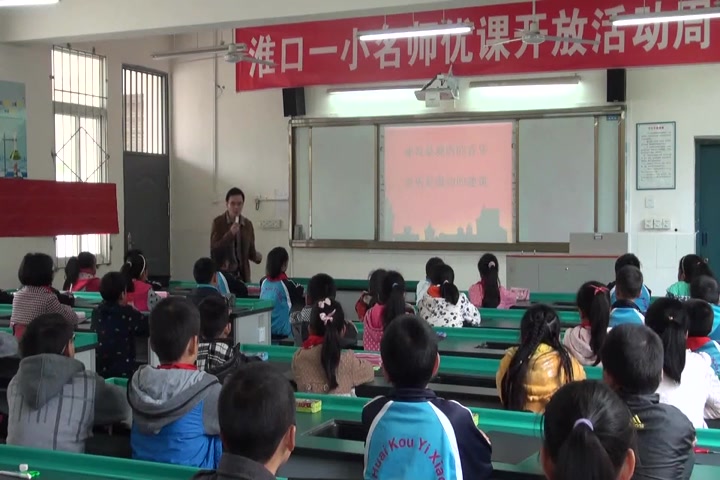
{"x":308,"y":406}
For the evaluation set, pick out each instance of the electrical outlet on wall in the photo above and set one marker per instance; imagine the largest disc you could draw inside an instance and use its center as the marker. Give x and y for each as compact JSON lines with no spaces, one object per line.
{"x":649,"y":202}
{"x":649,"y":225}
{"x":666,"y":224}
{"x":657,"y":224}
{"x":271,"y":224}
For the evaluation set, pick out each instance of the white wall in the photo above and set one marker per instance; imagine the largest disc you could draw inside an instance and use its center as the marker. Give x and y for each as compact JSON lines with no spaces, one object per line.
{"x":253,"y":154}
{"x":32,"y":66}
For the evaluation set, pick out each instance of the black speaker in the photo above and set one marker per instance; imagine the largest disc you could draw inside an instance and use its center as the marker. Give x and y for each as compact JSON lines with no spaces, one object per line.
{"x":294,"y":102}
{"x":616,"y":84}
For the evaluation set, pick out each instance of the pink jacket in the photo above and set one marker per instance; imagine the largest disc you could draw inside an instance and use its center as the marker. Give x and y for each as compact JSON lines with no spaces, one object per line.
{"x":508,"y":298}
{"x":373,"y":324}
{"x":144,"y":297}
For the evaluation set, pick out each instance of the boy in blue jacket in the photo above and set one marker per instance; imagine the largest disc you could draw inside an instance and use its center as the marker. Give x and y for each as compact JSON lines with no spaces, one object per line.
{"x":628,"y":287}
{"x":706,"y":288}
{"x":175,"y":406}
{"x":643,"y":301}
{"x":412,"y":432}
{"x":700,"y":323}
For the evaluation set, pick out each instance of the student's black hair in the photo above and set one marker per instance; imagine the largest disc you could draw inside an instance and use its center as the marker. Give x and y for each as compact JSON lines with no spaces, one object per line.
{"x":204,"y":270}
{"x":539,"y":324}
{"x":48,"y":333}
{"x":705,"y":288}
{"x":220,"y":257}
{"x":633,"y":357}
{"x":255,"y":410}
{"x":629,"y":259}
{"x":629,"y":282}
{"x":409,"y":349}
{"x":431,"y":264}
{"x":692,"y":266}
{"x":321,"y":286}
{"x":700,"y":317}
{"x":233,"y":192}
{"x":488,"y":266}
{"x":581,"y":451}
{"x":276,"y":260}
{"x":392,"y":296}
{"x":135,"y":265}
{"x":327,"y":320}
{"x":214,"y":317}
{"x":173,"y":323}
{"x":112,"y":286}
{"x":84,"y":261}
{"x":593,"y":301}
{"x":444,"y":277}
{"x":132,"y":253}
{"x":36,"y":270}
{"x":668,"y":318}
{"x":375,"y":283}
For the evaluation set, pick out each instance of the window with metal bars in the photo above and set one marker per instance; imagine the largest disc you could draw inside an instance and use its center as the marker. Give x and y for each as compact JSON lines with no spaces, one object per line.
{"x":79,"y":92}
{"x":144,"y":112}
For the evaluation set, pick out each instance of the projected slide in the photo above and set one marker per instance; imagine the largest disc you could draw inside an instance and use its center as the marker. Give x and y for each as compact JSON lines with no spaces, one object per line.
{"x":447,"y":183}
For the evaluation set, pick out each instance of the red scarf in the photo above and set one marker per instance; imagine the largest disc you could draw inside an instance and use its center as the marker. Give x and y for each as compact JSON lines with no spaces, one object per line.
{"x":434,"y":291}
{"x":585,"y":324}
{"x":694,"y":343}
{"x":279,"y":278}
{"x":177,"y":366}
{"x":313,"y":341}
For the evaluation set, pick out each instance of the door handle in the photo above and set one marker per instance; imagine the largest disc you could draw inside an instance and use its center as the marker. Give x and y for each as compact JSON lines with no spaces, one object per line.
{"x":129,"y":241}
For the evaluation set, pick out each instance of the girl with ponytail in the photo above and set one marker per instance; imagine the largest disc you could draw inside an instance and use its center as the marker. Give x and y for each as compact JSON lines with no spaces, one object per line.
{"x":689,"y":382}
{"x":585,"y":341}
{"x":444,"y":305}
{"x":489,"y":292}
{"x":588,"y":434}
{"x":80,"y":274}
{"x":140,"y":293}
{"x":391,"y":304}
{"x":690,"y":267}
{"x":532,"y":372}
{"x":321,"y":365}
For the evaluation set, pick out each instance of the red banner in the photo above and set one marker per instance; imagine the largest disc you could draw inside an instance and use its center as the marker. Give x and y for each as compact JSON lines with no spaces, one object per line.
{"x":39,"y":208}
{"x":327,"y":52}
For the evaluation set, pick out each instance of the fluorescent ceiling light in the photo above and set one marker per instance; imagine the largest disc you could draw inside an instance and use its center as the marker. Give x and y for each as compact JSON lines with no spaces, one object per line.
{"x":190,"y":52}
{"x":527,"y":82}
{"x":416,"y":31}
{"x":376,"y":89}
{"x":665,"y":17}
{"x":25,"y":3}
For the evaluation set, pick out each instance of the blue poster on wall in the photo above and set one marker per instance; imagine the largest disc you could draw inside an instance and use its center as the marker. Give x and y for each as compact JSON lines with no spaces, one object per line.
{"x":13,"y":130}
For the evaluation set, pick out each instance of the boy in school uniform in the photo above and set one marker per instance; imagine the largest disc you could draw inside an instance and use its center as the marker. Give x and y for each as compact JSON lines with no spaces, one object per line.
{"x":700,"y":323}
{"x":422,"y":287}
{"x":175,"y":406}
{"x":206,"y":276}
{"x":447,"y":441}
{"x":257,"y":424}
{"x":228,"y":282}
{"x":643,"y":301}
{"x":215,"y":348}
{"x":628,"y":287}
{"x":706,"y":288}
{"x":632,"y":359}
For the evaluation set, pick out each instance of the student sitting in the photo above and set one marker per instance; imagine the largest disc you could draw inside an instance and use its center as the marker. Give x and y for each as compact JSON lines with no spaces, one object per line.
{"x":117,"y":326}
{"x":632,"y":359}
{"x":531,"y":373}
{"x":691,"y":267}
{"x":6,"y":298}
{"x":215,"y":347}
{"x":706,"y":288}
{"x":391,"y":304}
{"x":329,"y":369}
{"x":700,"y":323}
{"x":36,"y":297}
{"x":588,"y":434}
{"x":585,"y":341}
{"x":441,"y":429}
{"x":206,"y":277}
{"x":444,"y":305}
{"x":228,"y":282}
{"x":489,"y":292}
{"x":80,"y":274}
{"x":689,"y":382}
{"x":285,"y":294}
{"x":422,"y":287}
{"x":53,"y":401}
{"x":175,"y":406}
{"x":628,"y":287}
{"x":140,"y":293}
{"x":257,"y":424}
{"x":369,"y":298}
{"x":643,"y":301}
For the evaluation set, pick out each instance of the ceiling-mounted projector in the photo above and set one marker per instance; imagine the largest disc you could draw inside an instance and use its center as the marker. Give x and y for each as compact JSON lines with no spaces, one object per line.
{"x":443,"y":87}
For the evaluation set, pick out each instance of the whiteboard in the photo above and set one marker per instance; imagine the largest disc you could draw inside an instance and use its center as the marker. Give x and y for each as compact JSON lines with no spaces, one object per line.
{"x":556,"y":178}
{"x":343,"y":182}
{"x":655,"y":156}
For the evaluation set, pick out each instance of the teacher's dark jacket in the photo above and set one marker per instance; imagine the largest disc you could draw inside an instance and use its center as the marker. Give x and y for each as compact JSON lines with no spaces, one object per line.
{"x":240,"y":248}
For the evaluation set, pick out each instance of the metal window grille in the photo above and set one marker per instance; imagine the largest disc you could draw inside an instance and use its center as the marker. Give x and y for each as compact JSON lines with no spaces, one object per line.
{"x":145,"y":111}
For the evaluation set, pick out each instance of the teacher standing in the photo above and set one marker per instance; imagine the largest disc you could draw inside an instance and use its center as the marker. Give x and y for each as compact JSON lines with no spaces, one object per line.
{"x":235,"y":236}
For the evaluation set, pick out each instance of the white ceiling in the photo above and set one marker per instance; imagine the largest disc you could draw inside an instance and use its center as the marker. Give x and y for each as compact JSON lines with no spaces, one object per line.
{"x":114,"y":19}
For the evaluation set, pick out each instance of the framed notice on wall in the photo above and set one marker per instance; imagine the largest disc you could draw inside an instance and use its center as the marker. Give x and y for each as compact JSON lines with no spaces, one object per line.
{"x":655,"y":155}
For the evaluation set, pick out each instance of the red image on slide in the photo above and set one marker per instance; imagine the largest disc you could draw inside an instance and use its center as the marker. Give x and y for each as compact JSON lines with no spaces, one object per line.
{"x":448,"y":183}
